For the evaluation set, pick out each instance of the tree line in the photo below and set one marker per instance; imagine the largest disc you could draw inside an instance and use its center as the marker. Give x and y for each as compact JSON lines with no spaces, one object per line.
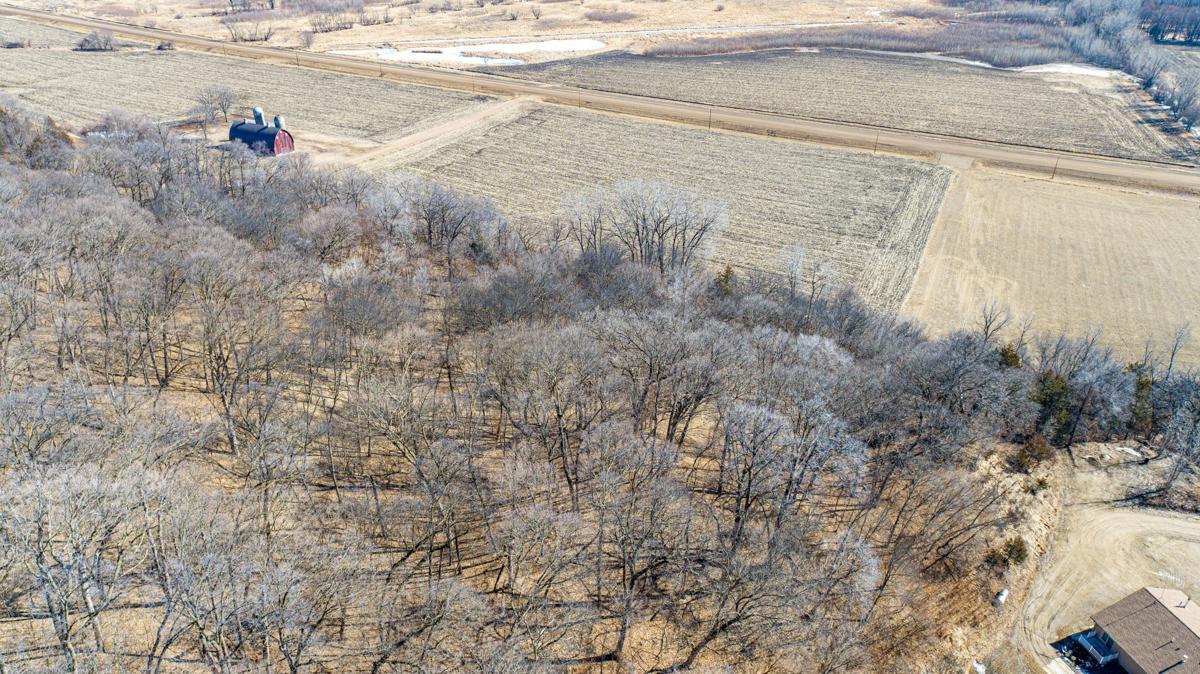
{"x":1117,"y":34}
{"x":1172,"y":20}
{"x":258,"y":415}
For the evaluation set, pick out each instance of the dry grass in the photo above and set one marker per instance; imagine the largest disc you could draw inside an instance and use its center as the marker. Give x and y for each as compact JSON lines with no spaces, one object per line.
{"x":78,"y":87}
{"x":869,"y":215}
{"x":1067,"y":256}
{"x":1101,"y":553}
{"x":442,"y":19}
{"x":1092,"y":114}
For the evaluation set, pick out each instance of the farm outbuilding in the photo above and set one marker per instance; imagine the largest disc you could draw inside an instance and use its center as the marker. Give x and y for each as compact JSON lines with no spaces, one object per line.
{"x":269,"y":139}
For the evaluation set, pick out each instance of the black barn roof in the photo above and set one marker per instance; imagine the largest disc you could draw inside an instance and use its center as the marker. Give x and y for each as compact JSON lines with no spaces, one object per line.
{"x":251,"y":133}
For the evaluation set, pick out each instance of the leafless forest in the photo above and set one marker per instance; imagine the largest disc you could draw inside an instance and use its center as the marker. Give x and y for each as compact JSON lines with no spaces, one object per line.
{"x":258,"y":416}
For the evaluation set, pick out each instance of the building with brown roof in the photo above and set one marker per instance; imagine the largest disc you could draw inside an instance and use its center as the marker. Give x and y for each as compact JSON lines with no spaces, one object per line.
{"x":1152,"y":631}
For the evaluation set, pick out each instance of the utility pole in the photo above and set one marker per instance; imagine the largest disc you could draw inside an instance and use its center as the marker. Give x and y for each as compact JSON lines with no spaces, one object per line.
{"x":1055,"y":171}
{"x":710,"y":113}
{"x":875,"y":150}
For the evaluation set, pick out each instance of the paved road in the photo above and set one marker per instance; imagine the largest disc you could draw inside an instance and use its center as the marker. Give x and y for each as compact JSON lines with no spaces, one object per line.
{"x":1162,"y":175}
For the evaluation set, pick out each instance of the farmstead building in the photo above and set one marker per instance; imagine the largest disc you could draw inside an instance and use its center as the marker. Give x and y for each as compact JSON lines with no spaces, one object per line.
{"x":268,"y":139}
{"x":1152,"y":631}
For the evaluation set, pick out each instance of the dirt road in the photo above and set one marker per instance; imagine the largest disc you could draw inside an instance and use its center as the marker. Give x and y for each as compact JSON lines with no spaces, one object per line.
{"x":445,"y":133}
{"x":1103,"y":552}
{"x":1168,"y":176}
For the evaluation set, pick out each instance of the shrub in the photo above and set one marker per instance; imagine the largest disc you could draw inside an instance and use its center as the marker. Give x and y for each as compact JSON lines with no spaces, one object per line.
{"x":609,"y":15}
{"x":366,"y":18}
{"x":1141,"y":412}
{"x":250,"y":27}
{"x":328,"y":23}
{"x":1014,"y":552}
{"x":726,"y":281}
{"x":1052,"y":393}
{"x":1038,"y":485}
{"x":97,"y":41}
{"x":1033,"y":452}
{"x":1009,"y":356}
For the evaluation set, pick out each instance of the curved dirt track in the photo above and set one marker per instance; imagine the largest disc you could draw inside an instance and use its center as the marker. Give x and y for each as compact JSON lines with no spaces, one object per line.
{"x":1161,"y":175}
{"x":1101,"y":553}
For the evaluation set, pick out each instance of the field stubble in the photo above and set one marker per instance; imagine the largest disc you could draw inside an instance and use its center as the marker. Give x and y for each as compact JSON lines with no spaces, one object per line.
{"x":39,"y":36}
{"x":868,"y":215}
{"x":1068,"y":256}
{"x":78,"y":88}
{"x":1099,"y":115}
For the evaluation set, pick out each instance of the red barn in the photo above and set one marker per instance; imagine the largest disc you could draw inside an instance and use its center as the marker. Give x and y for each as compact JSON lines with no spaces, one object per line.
{"x":262,"y":138}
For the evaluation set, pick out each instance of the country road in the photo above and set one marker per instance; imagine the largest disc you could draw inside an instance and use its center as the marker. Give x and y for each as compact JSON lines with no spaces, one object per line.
{"x":1052,"y":163}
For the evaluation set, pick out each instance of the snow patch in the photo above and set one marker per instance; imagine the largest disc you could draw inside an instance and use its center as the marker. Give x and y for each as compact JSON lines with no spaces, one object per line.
{"x":1043,"y":69}
{"x":553,"y":46}
{"x":1072,"y":69}
{"x":930,"y":57}
{"x":428,"y":56}
{"x":461,"y":55}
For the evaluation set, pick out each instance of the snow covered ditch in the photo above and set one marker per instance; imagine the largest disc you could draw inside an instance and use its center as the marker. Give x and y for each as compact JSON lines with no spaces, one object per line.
{"x":469,"y":54}
{"x":1045,"y":68}
{"x":1074,"y":69}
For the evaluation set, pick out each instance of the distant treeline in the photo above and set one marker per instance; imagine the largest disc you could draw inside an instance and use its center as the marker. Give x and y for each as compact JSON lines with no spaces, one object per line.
{"x":1005,"y":45}
{"x":1172,"y":20}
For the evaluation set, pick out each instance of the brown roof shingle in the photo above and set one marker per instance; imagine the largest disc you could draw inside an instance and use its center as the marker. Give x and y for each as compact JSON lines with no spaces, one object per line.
{"x":1158,"y":629}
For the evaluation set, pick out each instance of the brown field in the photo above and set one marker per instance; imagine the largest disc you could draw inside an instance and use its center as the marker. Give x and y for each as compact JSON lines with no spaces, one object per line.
{"x":869,"y":215}
{"x":1068,"y":256}
{"x":78,"y":87}
{"x":1067,"y":112}
{"x":39,"y":36}
{"x":427,"y":20}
